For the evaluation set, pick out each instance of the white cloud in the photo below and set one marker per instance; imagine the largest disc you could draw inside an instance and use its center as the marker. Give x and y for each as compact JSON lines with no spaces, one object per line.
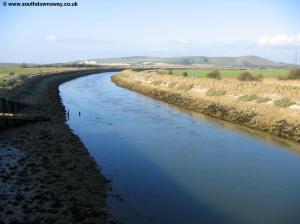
{"x":183,"y":41}
{"x":280,"y":40}
{"x":50,"y":38}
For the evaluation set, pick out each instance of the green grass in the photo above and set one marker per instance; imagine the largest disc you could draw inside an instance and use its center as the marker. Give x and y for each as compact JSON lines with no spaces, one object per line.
{"x":228,"y":73}
{"x":11,"y":76}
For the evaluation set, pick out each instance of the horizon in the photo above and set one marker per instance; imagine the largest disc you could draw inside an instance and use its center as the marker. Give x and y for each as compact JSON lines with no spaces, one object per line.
{"x":97,"y":30}
{"x":137,"y":56}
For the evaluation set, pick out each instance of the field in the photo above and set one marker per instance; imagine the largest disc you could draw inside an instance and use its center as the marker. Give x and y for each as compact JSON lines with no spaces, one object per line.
{"x":228,"y":73}
{"x":11,"y":76}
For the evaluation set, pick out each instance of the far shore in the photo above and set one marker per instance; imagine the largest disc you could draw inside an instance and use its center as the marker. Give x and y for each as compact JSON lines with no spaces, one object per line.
{"x":270,"y":106}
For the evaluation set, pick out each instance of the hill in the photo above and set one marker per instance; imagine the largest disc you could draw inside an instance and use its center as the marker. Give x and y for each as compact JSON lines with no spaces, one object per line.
{"x":189,"y":61}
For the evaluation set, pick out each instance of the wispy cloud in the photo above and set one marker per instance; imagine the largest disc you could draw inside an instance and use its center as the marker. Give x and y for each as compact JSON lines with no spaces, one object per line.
{"x":280,"y":40}
{"x":51,"y":38}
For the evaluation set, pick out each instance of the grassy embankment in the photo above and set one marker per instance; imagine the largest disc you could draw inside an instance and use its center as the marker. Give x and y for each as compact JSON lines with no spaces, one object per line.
{"x":13,"y":76}
{"x":269,"y":105}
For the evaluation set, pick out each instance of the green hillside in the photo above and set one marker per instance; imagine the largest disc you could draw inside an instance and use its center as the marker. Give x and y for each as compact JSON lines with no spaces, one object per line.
{"x":244,"y":61}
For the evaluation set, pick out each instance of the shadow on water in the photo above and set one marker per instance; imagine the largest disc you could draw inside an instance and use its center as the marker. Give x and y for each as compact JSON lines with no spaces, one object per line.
{"x":260,"y":135}
{"x":148,"y":194}
{"x":174,"y":167}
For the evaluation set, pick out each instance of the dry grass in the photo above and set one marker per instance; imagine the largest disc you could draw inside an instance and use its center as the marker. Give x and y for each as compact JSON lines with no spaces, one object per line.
{"x":215,"y":92}
{"x":252,"y":111}
{"x":267,"y":88}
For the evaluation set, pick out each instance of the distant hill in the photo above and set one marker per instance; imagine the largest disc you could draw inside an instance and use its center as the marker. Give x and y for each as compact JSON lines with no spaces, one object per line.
{"x":244,"y":61}
{"x":189,"y":61}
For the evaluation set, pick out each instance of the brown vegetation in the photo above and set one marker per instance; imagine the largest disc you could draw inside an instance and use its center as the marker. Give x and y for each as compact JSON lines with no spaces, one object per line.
{"x":229,"y":100}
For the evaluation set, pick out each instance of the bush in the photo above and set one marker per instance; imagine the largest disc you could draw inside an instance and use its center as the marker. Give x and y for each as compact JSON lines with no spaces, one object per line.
{"x":284,"y":102}
{"x":252,"y":97}
{"x":185,"y":87}
{"x":214,"y":75}
{"x":23,"y":77}
{"x":248,"y":97}
{"x":172,"y":84}
{"x":282,"y":78}
{"x":170,"y":72}
{"x":185,"y":74}
{"x":262,"y":99}
{"x":294,"y":74}
{"x":215,"y":92}
{"x":24,"y":65}
{"x":156,"y":82}
{"x":247,"y":76}
{"x":12,"y":74}
{"x":260,"y":77}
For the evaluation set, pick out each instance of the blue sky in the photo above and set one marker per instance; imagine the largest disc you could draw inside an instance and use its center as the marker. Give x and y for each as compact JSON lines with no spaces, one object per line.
{"x":114,"y":28}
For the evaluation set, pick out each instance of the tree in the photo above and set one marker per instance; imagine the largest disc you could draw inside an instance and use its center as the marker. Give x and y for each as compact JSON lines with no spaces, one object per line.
{"x":214,"y":75}
{"x":294,"y":73}
{"x":24,"y":65}
{"x":247,"y":76}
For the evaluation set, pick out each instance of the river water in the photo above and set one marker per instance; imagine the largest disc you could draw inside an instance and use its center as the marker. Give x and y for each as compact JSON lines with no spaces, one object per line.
{"x":170,"y":166}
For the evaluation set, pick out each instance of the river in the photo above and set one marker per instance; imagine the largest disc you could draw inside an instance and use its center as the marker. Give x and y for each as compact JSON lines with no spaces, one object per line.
{"x":170,"y":166}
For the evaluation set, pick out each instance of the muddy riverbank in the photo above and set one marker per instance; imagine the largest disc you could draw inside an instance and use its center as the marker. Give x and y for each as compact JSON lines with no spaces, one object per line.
{"x":47,"y":175}
{"x":282,"y":122}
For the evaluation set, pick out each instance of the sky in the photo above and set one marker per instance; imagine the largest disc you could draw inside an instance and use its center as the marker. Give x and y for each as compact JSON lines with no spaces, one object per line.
{"x":118,"y":28}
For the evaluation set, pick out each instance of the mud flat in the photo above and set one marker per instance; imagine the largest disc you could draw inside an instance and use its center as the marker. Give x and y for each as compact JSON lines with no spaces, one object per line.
{"x":214,"y":98}
{"x":46,"y":173}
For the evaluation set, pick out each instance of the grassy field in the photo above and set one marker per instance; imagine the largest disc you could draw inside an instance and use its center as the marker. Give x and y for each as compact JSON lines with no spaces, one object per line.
{"x":11,"y":76}
{"x":270,"y":88}
{"x":228,"y":73}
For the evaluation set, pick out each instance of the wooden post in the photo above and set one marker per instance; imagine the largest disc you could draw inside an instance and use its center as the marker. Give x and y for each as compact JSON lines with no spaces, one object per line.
{"x":10,"y":106}
{"x":3,"y":105}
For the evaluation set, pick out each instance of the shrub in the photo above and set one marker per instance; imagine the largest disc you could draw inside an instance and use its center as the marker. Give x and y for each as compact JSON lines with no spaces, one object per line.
{"x":156,"y":82}
{"x":214,"y":75}
{"x":185,"y":87}
{"x":24,"y":65}
{"x":12,"y":74}
{"x":247,"y":76}
{"x":172,"y":84}
{"x":215,"y":92}
{"x":284,"y":102}
{"x":294,"y":74}
{"x":248,"y":97}
{"x":282,"y":78}
{"x":8,"y":82}
{"x":185,"y":74}
{"x":260,"y":77}
{"x":170,"y":72}
{"x":262,"y":99}
{"x":23,"y":77}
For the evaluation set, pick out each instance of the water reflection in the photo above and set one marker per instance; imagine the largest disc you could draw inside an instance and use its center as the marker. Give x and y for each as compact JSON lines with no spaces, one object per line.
{"x":170,"y":166}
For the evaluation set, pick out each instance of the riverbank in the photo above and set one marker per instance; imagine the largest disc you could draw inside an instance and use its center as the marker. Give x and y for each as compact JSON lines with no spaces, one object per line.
{"x":47,"y":175}
{"x":249,"y":103}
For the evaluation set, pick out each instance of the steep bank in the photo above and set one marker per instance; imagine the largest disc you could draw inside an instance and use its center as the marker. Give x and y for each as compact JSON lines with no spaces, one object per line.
{"x":283,"y":122}
{"x":47,"y":175}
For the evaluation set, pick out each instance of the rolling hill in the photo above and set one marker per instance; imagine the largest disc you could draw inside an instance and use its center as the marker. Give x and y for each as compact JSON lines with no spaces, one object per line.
{"x":189,"y":61}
